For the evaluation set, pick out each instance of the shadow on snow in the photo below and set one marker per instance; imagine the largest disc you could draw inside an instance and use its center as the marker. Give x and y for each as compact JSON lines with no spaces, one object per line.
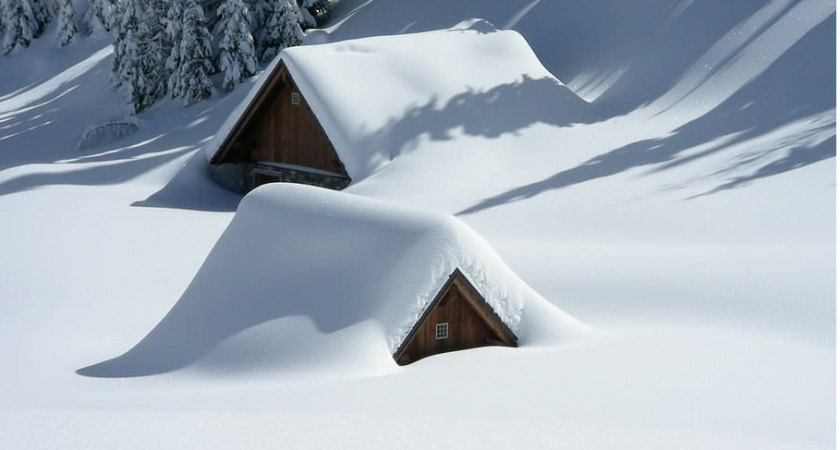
{"x":507,"y":108}
{"x":797,"y":91}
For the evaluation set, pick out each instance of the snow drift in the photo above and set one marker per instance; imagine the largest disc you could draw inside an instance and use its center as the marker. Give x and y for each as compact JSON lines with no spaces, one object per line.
{"x":377,"y":97}
{"x":337,"y":276}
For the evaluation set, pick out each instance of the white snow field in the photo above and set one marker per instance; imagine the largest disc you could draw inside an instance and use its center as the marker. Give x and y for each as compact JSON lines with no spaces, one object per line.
{"x":676,"y":232}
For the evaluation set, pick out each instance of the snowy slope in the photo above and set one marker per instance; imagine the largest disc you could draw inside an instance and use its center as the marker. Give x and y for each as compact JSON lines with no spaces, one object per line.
{"x":692,"y":220}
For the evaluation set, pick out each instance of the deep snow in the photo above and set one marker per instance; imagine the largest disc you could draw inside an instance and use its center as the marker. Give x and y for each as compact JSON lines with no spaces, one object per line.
{"x":693,"y":224}
{"x":358,"y":88}
{"x":307,"y":262}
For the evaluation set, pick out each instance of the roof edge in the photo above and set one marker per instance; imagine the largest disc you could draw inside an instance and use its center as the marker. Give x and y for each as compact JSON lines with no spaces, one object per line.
{"x":457,"y":273}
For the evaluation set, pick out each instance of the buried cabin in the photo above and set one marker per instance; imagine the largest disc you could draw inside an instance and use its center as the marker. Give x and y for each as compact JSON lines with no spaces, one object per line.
{"x":277,"y":138}
{"x":333,"y":113}
{"x":457,"y":319}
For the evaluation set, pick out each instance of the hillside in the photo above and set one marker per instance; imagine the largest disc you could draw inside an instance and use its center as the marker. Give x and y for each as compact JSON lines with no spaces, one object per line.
{"x":682,"y":213}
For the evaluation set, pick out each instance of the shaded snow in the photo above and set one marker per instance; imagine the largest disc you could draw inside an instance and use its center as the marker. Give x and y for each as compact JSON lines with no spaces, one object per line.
{"x":692,"y":220}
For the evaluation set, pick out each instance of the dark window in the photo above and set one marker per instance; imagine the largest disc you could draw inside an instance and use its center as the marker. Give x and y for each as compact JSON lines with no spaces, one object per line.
{"x":442,"y":330}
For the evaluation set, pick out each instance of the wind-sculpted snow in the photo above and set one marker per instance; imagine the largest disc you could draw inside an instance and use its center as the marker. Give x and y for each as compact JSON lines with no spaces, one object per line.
{"x":313,"y":264}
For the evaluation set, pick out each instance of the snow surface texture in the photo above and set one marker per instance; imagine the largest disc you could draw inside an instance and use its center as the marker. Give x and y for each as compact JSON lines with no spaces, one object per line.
{"x":107,"y":131}
{"x":357,"y":88}
{"x":307,"y":257}
{"x":693,"y":221}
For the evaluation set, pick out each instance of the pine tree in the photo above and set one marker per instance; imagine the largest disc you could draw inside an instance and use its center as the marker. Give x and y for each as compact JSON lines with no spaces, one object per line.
{"x":211,"y":9}
{"x":282,"y":29}
{"x":43,"y":12}
{"x":2,"y":22}
{"x":291,"y":34}
{"x":140,"y":50}
{"x":66,"y":30}
{"x":128,"y":70}
{"x":190,"y":81}
{"x":236,"y":49}
{"x":20,"y":25}
{"x":126,"y":24}
{"x":157,"y":48}
{"x":119,"y":29}
{"x":307,"y":20}
{"x":100,"y":14}
{"x":174,"y":32}
{"x":260,"y":12}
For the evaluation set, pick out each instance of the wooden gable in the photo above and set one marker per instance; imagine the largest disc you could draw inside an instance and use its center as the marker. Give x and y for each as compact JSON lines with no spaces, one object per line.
{"x":278,"y":126}
{"x":457,"y":319}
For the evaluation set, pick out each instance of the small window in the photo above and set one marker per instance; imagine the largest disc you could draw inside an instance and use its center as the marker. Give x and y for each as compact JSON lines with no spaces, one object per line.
{"x":295,"y":98}
{"x":442,"y":330}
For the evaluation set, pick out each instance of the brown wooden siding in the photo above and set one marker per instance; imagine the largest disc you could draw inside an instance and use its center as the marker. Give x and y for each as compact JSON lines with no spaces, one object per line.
{"x":279,"y":131}
{"x":470,"y":325}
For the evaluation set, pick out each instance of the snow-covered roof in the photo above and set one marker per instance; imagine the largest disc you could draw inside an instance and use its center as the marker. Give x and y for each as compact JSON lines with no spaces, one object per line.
{"x":315,"y":263}
{"x":374,"y":96}
{"x":383,"y":262}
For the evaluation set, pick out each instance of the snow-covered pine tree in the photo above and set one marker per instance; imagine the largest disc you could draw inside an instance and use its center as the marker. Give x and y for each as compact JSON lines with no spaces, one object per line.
{"x":126,"y":24}
{"x":236,"y":49}
{"x":66,"y":30}
{"x":307,"y":20}
{"x":174,"y":30}
{"x":192,"y":76}
{"x":2,"y":22}
{"x":157,"y":48}
{"x":131,"y":69}
{"x":100,"y":14}
{"x":43,"y":11}
{"x":20,"y":25}
{"x":291,"y":32}
{"x":260,"y":10}
{"x":260,"y":13}
{"x":211,"y":8}
{"x":282,"y":29}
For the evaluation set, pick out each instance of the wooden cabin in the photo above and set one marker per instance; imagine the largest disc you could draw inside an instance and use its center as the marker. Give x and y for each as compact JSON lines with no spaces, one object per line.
{"x":457,"y":319}
{"x":277,"y":138}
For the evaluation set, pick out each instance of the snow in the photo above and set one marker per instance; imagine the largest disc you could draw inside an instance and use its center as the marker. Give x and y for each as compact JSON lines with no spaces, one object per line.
{"x":393,"y":79}
{"x":309,"y":263}
{"x":107,"y":131}
{"x":690,"y":219}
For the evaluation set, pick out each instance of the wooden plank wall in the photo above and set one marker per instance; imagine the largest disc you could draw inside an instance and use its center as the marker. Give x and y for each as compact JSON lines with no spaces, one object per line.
{"x":286,"y":133}
{"x":466,"y":329}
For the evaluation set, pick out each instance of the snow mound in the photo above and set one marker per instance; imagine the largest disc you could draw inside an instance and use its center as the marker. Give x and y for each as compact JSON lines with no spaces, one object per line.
{"x":380,"y":96}
{"x":316,"y":275}
{"x":107,"y":131}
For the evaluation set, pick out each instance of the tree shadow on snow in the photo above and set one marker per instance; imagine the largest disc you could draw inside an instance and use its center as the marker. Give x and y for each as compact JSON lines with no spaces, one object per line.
{"x":34,"y":113}
{"x":643,"y":46}
{"x":56,"y":105}
{"x":507,"y":108}
{"x":155,"y":145}
{"x":797,"y":91}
